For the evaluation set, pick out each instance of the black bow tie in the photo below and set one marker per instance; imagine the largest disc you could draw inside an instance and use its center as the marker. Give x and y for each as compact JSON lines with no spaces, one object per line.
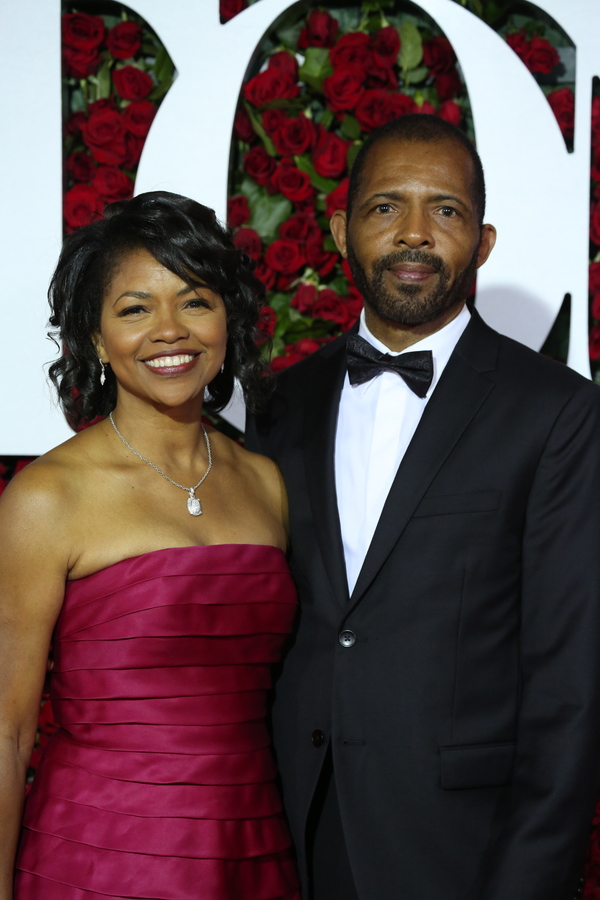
{"x":365,"y":362}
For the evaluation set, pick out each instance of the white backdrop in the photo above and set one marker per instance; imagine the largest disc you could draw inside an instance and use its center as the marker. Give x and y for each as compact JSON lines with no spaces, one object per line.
{"x":538,"y":192}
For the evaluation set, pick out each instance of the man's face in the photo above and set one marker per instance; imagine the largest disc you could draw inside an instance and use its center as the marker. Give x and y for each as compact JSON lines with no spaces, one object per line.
{"x":413,"y":241}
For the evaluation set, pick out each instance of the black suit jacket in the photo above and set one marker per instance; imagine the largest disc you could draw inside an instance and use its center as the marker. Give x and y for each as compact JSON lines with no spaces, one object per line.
{"x":465,"y":720}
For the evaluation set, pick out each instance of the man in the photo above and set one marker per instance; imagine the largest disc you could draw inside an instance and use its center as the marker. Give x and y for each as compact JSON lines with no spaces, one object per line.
{"x":437,"y":718}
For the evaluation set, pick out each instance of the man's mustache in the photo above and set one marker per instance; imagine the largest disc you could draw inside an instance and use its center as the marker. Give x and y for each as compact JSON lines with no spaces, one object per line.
{"x":399,"y":257}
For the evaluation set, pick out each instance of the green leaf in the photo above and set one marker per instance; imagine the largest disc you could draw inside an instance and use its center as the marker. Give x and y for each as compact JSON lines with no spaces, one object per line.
{"x":268,"y":210}
{"x":316,"y":67}
{"x":163,"y":67}
{"x":352,"y":154}
{"x":327,"y":118}
{"x":321,"y":184}
{"x":259,"y":130}
{"x":78,"y":103}
{"x":289,"y":35}
{"x":104,"y":81}
{"x":279,"y":301}
{"x":329,"y":244}
{"x":160,"y":90}
{"x":350,"y":128}
{"x":414,"y":76}
{"x":411,"y":46}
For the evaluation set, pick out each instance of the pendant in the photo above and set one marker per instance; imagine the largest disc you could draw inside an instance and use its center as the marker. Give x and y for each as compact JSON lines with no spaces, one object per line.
{"x":194,"y":506}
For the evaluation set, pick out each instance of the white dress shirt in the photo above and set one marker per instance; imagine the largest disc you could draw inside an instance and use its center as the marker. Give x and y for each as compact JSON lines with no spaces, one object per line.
{"x":376,"y":423}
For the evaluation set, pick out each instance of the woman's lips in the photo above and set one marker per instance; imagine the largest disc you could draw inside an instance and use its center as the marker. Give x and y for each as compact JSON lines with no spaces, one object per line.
{"x":412,"y":274}
{"x":175,"y":364}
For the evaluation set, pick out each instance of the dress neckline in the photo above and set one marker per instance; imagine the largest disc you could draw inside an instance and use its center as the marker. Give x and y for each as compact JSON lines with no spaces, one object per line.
{"x":129,"y":559}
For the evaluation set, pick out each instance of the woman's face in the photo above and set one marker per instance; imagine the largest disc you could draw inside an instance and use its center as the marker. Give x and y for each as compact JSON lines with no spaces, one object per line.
{"x":164,"y":339}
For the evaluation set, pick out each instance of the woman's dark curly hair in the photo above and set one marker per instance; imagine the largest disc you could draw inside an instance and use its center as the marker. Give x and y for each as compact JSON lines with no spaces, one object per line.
{"x":187,"y":239}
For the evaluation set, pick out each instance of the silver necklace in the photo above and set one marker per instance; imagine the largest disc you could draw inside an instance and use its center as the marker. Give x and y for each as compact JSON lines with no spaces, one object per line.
{"x":193,"y":503}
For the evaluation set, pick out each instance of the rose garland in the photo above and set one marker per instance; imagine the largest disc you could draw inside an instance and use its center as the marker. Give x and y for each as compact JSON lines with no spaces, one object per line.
{"x":116,"y":72}
{"x":326,"y":81}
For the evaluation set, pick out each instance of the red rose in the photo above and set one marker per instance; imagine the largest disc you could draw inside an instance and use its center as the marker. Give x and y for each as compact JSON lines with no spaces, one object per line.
{"x":353,"y":49}
{"x":291,"y":182}
{"x":230,"y":8}
{"x":426,"y":108}
{"x":347,"y":272}
{"x":302,"y":227}
{"x":272,"y":120}
{"x":329,"y":156}
{"x":272,"y":84}
{"x":112,"y":184}
{"x":595,"y":121}
{"x":104,"y":135}
{"x":76,"y":122}
{"x":595,"y":342}
{"x":319,"y":259}
{"x":133,"y":150}
{"x":330,"y":306}
{"x":259,"y":165}
{"x":386,"y":47}
{"x":81,"y":166}
{"x":265,"y":274}
{"x":518,"y":42}
{"x":267,"y":323}
{"x":285,"y":256}
{"x":242,"y":126}
{"x":378,"y":107}
{"x":285,"y":62}
{"x":338,"y":198}
{"x":124,"y":40}
{"x":380,"y":77}
{"x":596,"y":306}
{"x":80,"y":63}
{"x":438,"y":55}
{"x":595,"y":223}
{"x":320,"y":30}
{"x":542,"y":57}
{"x":82,"y":205}
{"x":448,"y":85}
{"x":595,"y":170}
{"x":354,"y":304}
{"x":138,"y":117}
{"x":82,"y":31}
{"x":238,"y":211}
{"x":562,"y":102}
{"x":304,"y":298}
{"x":295,"y":136}
{"x":249,"y":241}
{"x":594,"y":277}
{"x":450,"y":111}
{"x":131,"y":83}
{"x":344,"y":88}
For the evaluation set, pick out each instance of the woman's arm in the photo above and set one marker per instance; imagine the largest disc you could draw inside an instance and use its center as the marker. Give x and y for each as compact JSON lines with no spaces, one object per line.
{"x":34,"y":562}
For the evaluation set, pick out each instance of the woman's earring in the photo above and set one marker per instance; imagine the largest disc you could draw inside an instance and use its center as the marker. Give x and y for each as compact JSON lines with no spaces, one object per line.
{"x":102,"y":373}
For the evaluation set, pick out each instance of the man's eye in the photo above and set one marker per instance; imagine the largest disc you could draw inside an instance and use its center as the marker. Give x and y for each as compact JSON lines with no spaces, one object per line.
{"x":383,"y":208}
{"x":448,"y":211}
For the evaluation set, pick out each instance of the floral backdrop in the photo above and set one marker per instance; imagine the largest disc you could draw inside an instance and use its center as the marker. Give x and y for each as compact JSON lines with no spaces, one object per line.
{"x":322,"y":81}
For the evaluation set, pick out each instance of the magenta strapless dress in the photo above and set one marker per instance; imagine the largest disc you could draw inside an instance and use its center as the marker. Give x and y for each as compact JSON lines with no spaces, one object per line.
{"x":160,"y":783}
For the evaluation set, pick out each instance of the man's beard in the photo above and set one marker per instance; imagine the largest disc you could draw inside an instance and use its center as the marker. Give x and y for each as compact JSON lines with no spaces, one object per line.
{"x":408,"y":305}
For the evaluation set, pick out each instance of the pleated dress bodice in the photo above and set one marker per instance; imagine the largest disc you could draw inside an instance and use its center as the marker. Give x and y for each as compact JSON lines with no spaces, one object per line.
{"x":160,"y":782}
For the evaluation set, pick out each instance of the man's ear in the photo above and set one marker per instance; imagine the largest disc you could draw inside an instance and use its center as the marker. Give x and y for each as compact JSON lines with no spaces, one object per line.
{"x":99,"y":347}
{"x":338,"y":225}
{"x":486,"y":243}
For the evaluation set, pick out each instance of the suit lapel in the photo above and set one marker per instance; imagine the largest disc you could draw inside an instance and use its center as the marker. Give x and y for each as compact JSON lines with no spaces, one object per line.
{"x":322,"y":401}
{"x":459,"y":394}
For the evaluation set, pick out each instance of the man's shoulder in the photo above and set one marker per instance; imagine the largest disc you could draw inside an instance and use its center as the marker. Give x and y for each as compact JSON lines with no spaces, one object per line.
{"x":528,"y":371}
{"x":300,"y":374}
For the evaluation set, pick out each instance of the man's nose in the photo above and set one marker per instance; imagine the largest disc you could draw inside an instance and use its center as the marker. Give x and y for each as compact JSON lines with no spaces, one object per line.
{"x":414,"y":230}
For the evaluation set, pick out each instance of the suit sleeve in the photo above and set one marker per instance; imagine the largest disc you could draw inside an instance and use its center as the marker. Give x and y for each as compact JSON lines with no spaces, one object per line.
{"x":540,"y":851}
{"x":252,"y":439}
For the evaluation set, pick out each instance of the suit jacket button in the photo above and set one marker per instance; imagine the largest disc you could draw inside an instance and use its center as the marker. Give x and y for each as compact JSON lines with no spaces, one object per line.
{"x":347,"y":639}
{"x":317,"y":738}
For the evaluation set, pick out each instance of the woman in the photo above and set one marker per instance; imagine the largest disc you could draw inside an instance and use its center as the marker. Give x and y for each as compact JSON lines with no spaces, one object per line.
{"x":152,"y":550}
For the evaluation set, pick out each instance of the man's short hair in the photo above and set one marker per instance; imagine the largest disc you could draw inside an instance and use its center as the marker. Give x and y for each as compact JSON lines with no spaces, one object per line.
{"x":420,"y":128}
